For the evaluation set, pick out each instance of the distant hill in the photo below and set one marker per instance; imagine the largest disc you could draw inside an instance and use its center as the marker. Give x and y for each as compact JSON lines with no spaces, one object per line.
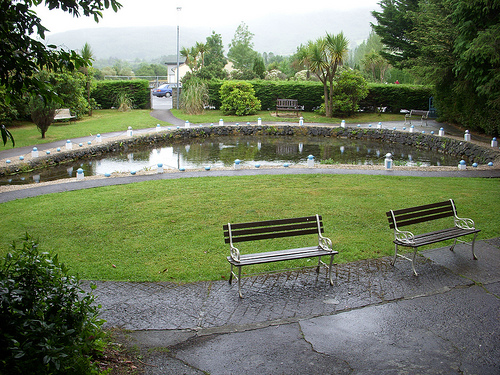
{"x":276,"y":33}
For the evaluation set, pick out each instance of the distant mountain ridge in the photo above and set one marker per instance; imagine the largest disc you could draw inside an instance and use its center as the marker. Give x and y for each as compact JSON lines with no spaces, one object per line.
{"x":275,"y":33}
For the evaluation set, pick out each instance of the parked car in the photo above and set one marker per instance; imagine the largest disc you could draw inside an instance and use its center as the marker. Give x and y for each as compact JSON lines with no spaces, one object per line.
{"x":163,"y":90}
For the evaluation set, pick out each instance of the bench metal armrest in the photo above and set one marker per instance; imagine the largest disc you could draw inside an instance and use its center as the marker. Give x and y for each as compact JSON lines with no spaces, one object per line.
{"x":464,"y":223}
{"x":235,"y":254}
{"x":325,"y":243}
{"x":404,"y":236}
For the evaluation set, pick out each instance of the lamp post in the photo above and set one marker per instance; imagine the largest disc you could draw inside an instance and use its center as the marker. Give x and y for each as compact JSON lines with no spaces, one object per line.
{"x":177,"y":101}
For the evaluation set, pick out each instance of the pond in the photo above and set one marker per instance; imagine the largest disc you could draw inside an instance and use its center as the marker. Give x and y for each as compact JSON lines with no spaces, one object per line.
{"x":218,"y":152}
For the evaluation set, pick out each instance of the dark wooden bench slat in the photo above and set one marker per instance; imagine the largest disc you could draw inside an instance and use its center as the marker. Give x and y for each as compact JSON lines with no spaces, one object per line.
{"x":252,"y":224}
{"x":438,"y":236}
{"x":267,"y":257}
{"x":419,"y":208}
{"x":420,"y":219}
{"x":266,"y":236}
{"x":270,"y":229}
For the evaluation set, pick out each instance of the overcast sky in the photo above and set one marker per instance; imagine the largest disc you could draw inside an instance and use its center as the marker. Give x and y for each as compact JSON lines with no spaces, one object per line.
{"x":193,"y":12}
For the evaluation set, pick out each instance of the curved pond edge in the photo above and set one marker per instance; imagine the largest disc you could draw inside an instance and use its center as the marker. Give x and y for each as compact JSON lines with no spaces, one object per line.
{"x":457,"y":148}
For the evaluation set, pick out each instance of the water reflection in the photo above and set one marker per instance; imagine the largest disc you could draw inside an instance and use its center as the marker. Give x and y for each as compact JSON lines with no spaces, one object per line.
{"x":223,"y":151}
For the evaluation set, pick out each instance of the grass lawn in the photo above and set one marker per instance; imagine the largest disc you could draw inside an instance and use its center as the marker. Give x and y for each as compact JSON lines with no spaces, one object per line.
{"x":213,"y":116}
{"x":102,"y":121}
{"x":171,"y":230}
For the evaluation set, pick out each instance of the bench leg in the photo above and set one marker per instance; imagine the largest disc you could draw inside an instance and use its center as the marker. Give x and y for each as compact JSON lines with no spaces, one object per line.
{"x":395,"y":255}
{"x":239,"y":282}
{"x":330,"y":269}
{"x":413,"y":261}
{"x":472,"y":246}
{"x":319,"y":265}
{"x":231,"y":275}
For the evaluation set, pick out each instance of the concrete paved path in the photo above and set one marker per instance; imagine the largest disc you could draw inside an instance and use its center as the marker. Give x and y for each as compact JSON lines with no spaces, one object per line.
{"x":376,"y":319}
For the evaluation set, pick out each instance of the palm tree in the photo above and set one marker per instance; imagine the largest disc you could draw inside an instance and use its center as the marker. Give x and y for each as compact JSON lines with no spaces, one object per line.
{"x":201,"y":49}
{"x":88,"y":56}
{"x":186,"y":53}
{"x":323,"y":57}
{"x":336,"y":52}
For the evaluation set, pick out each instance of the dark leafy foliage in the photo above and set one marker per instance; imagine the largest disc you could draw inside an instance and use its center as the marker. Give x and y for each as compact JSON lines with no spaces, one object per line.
{"x":107,"y":93}
{"x":48,"y":324}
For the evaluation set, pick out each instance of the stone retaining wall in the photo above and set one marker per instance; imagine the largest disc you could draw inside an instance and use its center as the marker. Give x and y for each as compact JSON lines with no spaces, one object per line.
{"x":456,"y":148}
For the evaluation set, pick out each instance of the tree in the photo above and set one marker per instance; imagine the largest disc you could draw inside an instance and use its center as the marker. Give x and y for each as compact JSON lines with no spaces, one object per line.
{"x":69,"y":87}
{"x":395,"y":24}
{"x":322,"y":58}
{"x":241,"y":52}
{"x":87,"y":70}
{"x":375,"y":65}
{"x":258,"y":67}
{"x":22,"y":53}
{"x":459,"y":49}
{"x":211,"y":55}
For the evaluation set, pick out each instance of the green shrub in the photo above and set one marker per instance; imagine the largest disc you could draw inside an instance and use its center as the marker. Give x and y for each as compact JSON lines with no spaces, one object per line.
{"x":107,"y":93}
{"x":349,"y":89}
{"x":48,"y":324}
{"x":194,"y":96}
{"x":238,"y":98}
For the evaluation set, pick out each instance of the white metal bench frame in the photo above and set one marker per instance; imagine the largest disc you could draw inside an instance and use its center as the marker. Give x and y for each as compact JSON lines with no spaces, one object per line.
{"x":424,"y":115}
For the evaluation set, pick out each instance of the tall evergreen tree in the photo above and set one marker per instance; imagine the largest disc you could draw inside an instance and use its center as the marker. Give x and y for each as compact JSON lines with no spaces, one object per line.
{"x":395,"y":24}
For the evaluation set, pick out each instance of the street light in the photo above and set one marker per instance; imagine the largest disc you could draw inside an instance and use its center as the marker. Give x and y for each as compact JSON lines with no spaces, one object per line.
{"x":177,"y":101}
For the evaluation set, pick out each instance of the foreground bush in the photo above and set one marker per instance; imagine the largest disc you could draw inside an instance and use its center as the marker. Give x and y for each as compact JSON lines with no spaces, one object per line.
{"x":238,"y":98}
{"x":48,"y":324}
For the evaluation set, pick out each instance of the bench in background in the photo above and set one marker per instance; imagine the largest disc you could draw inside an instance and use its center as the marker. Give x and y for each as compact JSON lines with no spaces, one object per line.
{"x":63,"y":114}
{"x":424,"y":115}
{"x":288,"y":105}
{"x":271,"y":229}
{"x":421,"y":214}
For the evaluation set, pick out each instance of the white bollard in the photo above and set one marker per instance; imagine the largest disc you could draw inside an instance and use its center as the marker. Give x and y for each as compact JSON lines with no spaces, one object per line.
{"x":69,"y":145}
{"x":221,"y":122}
{"x":342,"y":124}
{"x":98,"y":138}
{"x":310,"y":161}
{"x":259,"y":121}
{"x":237,"y":164}
{"x":158,"y":128}
{"x":412,"y":128}
{"x":462,"y":165}
{"x":34,"y":152}
{"x":160,"y":168}
{"x":129,"y":131}
{"x":79,"y":174}
{"x":441,"y":132}
{"x":301,"y":121}
{"x":388,"y":161}
{"x":186,"y":125}
{"x":467,"y":136}
{"x":494,"y":143}
{"x":379,"y":125}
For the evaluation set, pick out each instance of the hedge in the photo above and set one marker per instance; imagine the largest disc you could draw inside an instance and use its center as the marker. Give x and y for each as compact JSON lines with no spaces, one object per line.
{"x":397,"y":97}
{"x":106,"y":93}
{"x":310,"y":95}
